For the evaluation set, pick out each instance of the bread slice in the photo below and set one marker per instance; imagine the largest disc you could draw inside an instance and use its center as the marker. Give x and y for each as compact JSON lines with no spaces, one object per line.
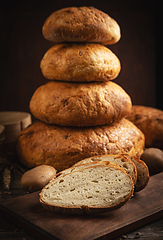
{"x":119,"y":160}
{"x":93,"y":190}
{"x":77,"y":167}
{"x":142,"y":172}
{"x":84,"y":164}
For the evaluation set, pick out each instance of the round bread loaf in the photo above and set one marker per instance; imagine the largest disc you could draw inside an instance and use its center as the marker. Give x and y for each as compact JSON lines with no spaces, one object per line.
{"x":80,"y":62}
{"x":150,"y":121}
{"x":61,"y":147}
{"x":81,"y":24}
{"x":80,"y":104}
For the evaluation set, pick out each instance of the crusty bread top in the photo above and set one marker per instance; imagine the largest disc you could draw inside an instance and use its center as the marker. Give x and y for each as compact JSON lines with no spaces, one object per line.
{"x":80,"y":104}
{"x":80,"y":62}
{"x":62,"y":147}
{"x":95,"y":189}
{"x":81,"y":24}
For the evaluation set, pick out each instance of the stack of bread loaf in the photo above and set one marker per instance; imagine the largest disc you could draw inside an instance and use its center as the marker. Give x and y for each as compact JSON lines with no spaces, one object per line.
{"x":82,"y":128}
{"x":81,"y":112}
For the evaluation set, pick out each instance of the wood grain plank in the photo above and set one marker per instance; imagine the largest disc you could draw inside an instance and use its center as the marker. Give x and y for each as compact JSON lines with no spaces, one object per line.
{"x":144,"y":207}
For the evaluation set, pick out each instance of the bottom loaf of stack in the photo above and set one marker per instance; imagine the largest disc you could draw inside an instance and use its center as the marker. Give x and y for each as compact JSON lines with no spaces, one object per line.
{"x":61,"y":147}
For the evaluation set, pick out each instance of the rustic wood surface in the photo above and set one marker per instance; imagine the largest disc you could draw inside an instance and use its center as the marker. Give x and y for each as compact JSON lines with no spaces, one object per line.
{"x":8,"y":230}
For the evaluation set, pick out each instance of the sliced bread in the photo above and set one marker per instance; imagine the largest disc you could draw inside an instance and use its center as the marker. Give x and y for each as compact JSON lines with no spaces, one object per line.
{"x":93,"y":190}
{"x":77,"y":167}
{"x":142,"y":172}
{"x":119,"y":160}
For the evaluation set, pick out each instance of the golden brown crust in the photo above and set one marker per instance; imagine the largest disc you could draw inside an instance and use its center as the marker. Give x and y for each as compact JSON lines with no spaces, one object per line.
{"x":80,"y":104}
{"x":150,"y":121}
{"x":89,"y":210}
{"x":80,"y":62}
{"x":81,"y":24}
{"x":62,"y":147}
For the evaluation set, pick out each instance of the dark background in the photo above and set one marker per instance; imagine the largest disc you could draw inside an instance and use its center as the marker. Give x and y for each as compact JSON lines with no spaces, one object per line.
{"x":22,"y":47}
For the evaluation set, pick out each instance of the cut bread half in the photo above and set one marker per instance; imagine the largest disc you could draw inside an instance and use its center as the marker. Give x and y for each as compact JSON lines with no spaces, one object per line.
{"x":93,"y":190}
{"x":142,"y":172}
{"x":119,"y":160}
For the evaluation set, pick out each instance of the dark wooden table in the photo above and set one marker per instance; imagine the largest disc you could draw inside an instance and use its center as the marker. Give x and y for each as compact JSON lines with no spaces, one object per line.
{"x":9,"y":230}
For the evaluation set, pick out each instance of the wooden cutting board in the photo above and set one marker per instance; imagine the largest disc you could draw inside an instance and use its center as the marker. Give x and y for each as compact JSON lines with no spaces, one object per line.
{"x":143,"y":208}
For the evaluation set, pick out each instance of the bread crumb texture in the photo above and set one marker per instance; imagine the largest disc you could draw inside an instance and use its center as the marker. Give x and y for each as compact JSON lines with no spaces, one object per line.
{"x":98,"y":186}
